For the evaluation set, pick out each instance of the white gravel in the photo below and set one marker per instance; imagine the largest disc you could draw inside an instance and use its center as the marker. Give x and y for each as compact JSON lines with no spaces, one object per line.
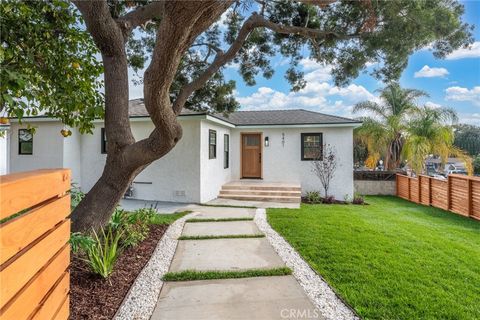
{"x":319,"y":292}
{"x":143,"y":295}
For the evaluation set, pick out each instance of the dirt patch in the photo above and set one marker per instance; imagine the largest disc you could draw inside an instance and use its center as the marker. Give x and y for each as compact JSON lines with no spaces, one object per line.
{"x":92,"y":297}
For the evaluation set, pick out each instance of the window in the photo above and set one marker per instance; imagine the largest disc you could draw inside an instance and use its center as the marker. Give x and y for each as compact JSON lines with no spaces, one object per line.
{"x":103,"y":141}
{"x":226,"y":148}
{"x":312,"y":146}
{"x":25,"y":141}
{"x":212,"y":144}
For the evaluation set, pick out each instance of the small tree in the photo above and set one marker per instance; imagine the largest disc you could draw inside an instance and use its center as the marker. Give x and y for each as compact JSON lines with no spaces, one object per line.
{"x":325,"y":166}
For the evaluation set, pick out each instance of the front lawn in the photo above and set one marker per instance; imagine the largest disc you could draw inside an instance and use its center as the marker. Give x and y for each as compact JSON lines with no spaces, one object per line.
{"x":392,"y":259}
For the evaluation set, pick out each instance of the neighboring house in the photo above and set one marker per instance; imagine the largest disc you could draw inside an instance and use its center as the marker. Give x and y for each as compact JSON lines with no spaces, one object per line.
{"x":270,"y":145}
{"x":452,"y":165}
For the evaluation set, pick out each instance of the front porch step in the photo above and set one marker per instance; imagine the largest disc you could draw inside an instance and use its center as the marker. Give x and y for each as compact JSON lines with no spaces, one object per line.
{"x":261,"y":192}
{"x":253,"y":197}
{"x":261,"y":187}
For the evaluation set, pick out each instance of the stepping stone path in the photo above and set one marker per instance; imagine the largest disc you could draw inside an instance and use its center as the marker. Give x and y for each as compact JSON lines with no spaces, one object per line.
{"x":276,"y":297}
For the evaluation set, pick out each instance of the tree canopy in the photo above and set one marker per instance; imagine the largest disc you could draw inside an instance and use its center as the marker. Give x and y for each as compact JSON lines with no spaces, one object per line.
{"x":383,"y":132}
{"x":50,"y":64}
{"x":467,"y":137}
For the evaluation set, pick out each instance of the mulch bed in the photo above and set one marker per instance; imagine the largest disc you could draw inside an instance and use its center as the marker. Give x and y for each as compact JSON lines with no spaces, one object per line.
{"x":92,"y":297}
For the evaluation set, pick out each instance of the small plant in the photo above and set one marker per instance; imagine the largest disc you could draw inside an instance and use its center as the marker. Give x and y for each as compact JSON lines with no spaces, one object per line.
{"x":313,"y":197}
{"x":329,"y":200}
{"x":134,"y":226}
{"x":103,"y":252}
{"x":358,"y":199}
{"x":79,"y":241}
{"x":119,"y":218}
{"x":325,"y":166}
{"x":76,"y":195}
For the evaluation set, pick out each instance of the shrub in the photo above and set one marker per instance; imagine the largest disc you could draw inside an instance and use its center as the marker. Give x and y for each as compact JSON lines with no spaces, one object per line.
{"x":118,"y":219}
{"x":103,"y":252}
{"x":313,"y":197}
{"x":329,"y":200}
{"x":76,"y":195}
{"x":79,"y":241}
{"x":134,"y":226}
{"x":358,"y":199}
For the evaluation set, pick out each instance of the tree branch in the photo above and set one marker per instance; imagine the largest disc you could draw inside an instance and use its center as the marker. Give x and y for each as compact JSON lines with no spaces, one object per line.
{"x":254,"y":21}
{"x":109,"y":38}
{"x":141,"y":15}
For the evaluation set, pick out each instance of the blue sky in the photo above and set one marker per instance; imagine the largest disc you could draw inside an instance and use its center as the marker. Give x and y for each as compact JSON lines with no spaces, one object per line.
{"x":452,"y":82}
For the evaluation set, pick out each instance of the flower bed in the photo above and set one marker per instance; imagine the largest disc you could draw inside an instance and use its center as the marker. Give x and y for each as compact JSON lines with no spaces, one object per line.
{"x":93,"y":297}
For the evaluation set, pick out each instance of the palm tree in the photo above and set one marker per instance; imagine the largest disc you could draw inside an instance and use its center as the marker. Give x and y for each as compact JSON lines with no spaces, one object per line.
{"x":384,"y":133}
{"x":430,"y":131}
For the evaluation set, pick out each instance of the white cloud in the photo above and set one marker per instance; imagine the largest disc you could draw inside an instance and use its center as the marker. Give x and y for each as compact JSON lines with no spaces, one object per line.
{"x":318,"y":95}
{"x":473,"y":51}
{"x":463,"y":94}
{"x":427,"y":72}
{"x":353,"y":92}
{"x":316,"y":71}
{"x":470,"y":118}
{"x":432,"y":105}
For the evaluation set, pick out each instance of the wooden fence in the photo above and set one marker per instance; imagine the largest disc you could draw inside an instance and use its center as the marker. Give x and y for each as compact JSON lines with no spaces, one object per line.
{"x":458,"y":193}
{"x":34,"y":249}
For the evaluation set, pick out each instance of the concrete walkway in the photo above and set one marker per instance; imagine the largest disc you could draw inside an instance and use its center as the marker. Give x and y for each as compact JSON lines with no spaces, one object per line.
{"x":276,"y":297}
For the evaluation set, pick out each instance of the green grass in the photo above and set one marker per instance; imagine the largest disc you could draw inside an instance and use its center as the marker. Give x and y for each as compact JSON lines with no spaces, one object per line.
{"x":218,"y":220}
{"x":190,"y":275}
{"x":168,"y":218}
{"x":228,"y":236}
{"x":392,"y":259}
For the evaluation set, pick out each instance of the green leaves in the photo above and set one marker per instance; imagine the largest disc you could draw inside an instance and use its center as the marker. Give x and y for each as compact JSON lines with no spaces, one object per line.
{"x":48,"y":64}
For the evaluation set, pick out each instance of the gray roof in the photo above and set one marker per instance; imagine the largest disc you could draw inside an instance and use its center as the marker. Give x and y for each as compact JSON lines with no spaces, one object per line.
{"x":136,"y":108}
{"x":255,"y":118}
{"x":282,"y":117}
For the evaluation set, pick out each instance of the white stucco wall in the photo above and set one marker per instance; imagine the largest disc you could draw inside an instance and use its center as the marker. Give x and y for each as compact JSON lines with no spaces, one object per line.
{"x":213,"y":174}
{"x":186,"y":174}
{"x":72,"y":155}
{"x":175,"y":177}
{"x":4,"y":152}
{"x":47,"y":147}
{"x":282,"y":163}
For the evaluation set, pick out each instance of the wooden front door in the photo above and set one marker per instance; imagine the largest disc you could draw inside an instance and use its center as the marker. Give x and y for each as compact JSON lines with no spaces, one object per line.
{"x":251,"y":155}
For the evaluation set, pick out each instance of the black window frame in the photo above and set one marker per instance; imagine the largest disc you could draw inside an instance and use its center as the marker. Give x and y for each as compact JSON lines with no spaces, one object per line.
{"x":103,"y":141}
{"x":316,"y":134}
{"x":226,"y":151}
{"x":212,"y":152}
{"x":20,"y":142}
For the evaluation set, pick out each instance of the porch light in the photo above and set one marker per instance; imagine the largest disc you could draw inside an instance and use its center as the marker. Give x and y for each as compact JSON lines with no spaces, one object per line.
{"x":267,"y":143}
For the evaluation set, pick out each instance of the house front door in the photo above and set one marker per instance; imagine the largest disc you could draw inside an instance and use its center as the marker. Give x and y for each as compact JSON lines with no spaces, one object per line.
{"x":251,"y":155}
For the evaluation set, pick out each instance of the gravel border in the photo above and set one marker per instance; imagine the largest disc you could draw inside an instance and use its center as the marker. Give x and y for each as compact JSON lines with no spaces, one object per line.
{"x":142,"y":297}
{"x":322,"y":295}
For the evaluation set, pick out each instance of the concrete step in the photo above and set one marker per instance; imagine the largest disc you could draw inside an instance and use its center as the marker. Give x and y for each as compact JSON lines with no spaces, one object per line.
{"x":253,"y":197}
{"x":283,"y":193}
{"x":261,"y":187}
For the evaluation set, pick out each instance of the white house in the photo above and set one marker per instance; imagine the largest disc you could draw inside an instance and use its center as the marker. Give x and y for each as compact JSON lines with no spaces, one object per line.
{"x":271,"y":146}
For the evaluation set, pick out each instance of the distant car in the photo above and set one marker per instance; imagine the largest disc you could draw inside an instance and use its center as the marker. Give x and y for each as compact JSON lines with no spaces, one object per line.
{"x":456,"y":171}
{"x":439,"y":176}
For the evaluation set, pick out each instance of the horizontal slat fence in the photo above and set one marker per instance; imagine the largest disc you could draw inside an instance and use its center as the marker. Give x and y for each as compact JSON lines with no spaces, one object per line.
{"x":458,"y":193}
{"x":34,"y":249}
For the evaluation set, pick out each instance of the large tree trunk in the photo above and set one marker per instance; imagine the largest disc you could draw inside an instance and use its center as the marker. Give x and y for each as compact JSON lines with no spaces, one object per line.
{"x":181,"y":23}
{"x":95,"y":209}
